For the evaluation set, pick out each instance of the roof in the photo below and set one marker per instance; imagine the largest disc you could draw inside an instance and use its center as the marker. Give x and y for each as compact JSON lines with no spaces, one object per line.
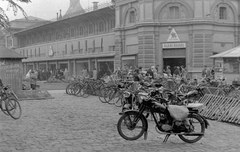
{"x":74,"y":7}
{"x":7,"y":53}
{"x":232,"y":53}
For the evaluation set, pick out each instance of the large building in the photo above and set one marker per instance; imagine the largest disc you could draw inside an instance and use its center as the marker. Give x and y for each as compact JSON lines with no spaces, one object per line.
{"x":132,"y":32}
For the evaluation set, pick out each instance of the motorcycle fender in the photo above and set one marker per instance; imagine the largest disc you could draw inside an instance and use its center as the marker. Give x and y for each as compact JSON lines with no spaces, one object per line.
{"x":205,"y":121}
{"x":135,"y":111}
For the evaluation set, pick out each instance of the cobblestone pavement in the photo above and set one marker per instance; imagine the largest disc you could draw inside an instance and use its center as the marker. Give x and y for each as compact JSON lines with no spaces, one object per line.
{"x":72,"y":124}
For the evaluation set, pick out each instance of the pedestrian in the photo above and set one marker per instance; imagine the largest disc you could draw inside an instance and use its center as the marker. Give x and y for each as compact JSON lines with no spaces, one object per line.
{"x":84,"y":72}
{"x":66,"y":74}
{"x":213,"y":72}
{"x":205,"y":72}
{"x":94,"y":74}
{"x":176,"y":72}
{"x":168,"y":71}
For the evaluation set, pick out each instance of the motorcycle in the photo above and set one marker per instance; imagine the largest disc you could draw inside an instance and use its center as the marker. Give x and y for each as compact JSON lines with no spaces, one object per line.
{"x":169,"y":119}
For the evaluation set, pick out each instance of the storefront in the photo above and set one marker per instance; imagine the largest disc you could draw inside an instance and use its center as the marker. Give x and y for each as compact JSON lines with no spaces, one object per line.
{"x":174,"y":54}
{"x":129,"y":60}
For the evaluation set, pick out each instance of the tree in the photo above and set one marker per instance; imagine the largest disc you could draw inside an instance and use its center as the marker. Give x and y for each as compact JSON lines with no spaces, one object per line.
{"x":4,"y":20}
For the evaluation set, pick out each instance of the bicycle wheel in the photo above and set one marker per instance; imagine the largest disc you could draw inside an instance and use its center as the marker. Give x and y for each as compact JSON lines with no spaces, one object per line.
{"x":3,"y":107}
{"x":102,"y":93}
{"x":197,"y":126}
{"x":119,"y":102}
{"x":128,"y":123}
{"x":114,"y":96}
{"x":86,"y":91}
{"x":13,"y":108}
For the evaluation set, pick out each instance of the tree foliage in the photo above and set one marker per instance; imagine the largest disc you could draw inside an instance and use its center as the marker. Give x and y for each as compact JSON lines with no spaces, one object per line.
{"x":12,"y":4}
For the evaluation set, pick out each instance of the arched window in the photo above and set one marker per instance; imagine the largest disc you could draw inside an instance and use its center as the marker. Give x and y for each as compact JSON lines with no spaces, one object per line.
{"x":72,"y":32}
{"x":223,"y":13}
{"x":101,"y":27}
{"x":174,"y":12}
{"x":91,"y":29}
{"x":80,"y":30}
{"x":132,"y":17}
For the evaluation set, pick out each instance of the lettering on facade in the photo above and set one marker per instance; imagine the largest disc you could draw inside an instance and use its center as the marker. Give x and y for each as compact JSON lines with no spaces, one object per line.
{"x":173,"y":45}
{"x":173,"y":36}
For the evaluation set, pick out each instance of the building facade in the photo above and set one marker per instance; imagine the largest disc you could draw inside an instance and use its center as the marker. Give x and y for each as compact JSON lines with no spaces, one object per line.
{"x":135,"y":33}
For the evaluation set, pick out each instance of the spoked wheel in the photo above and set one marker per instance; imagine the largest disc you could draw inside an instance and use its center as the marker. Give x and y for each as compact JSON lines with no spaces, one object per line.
{"x":86,"y":90}
{"x":129,"y":128}
{"x":102,"y":93}
{"x":197,"y":126}
{"x":13,"y":108}
{"x":3,"y":107}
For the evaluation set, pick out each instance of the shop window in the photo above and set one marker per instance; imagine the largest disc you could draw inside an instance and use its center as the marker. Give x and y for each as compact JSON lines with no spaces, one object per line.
{"x":231,"y":65}
{"x":174,"y":12}
{"x":223,"y":13}
{"x":132,"y":17}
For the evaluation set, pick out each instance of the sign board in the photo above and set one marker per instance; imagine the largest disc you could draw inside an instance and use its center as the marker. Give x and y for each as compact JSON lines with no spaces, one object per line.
{"x":173,"y":45}
{"x":173,"y":36}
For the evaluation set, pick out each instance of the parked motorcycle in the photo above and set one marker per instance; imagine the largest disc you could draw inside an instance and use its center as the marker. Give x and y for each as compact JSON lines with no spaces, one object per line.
{"x":184,"y":121}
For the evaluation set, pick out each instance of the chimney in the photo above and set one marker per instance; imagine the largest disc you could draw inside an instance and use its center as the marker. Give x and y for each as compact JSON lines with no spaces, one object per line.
{"x":95,"y":5}
{"x":57,"y":16}
{"x":60,"y":15}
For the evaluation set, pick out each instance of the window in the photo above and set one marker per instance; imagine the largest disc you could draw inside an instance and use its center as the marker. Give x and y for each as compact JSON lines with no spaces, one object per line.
{"x":80,"y":30}
{"x":100,"y":27}
{"x":72,"y":32}
{"x":174,"y":12}
{"x":112,"y":24}
{"x":39,"y":52}
{"x":132,"y":17}
{"x":9,"y":41}
{"x":65,"y":48}
{"x":79,"y":46}
{"x":90,"y":29}
{"x":223,"y":13}
{"x":35,"y":52}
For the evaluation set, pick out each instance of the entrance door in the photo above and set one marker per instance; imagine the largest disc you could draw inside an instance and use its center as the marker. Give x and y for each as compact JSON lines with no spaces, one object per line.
{"x":173,"y":62}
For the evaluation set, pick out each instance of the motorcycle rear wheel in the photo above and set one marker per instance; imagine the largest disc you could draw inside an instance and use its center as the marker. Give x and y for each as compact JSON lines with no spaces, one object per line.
{"x":202,"y":128}
{"x":126,"y":120}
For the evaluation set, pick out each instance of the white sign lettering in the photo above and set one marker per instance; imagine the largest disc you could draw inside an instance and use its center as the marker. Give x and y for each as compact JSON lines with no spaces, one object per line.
{"x":173,"y":45}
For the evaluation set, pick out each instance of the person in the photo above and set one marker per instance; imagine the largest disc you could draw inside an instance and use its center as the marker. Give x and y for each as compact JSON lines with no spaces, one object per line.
{"x":184,"y":72}
{"x":176,"y":72}
{"x":1,"y":83}
{"x":66,"y":74}
{"x":168,"y":71}
{"x":94,"y":74}
{"x":150,"y":72}
{"x":213,"y":72}
{"x":205,"y":72}
{"x":84,"y":72}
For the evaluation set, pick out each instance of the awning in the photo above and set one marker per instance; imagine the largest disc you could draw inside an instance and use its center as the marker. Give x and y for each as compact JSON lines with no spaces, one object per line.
{"x":9,"y":54}
{"x":70,"y":57}
{"x":232,"y":53}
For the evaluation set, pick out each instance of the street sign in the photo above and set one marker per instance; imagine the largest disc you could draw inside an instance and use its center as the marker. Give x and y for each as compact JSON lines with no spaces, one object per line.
{"x":173,"y":36}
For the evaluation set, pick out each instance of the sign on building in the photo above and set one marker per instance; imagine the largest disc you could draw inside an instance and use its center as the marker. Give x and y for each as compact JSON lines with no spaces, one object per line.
{"x":173,"y":36}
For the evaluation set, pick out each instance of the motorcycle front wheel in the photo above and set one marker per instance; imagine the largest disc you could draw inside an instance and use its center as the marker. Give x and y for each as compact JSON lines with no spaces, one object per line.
{"x":197,"y":126}
{"x":129,"y":128}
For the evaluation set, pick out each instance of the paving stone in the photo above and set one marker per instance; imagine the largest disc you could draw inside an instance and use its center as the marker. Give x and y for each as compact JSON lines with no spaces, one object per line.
{"x":72,"y":124}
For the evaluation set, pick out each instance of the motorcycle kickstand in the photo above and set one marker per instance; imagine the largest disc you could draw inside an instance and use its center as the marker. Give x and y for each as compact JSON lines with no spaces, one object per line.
{"x":166,"y":138}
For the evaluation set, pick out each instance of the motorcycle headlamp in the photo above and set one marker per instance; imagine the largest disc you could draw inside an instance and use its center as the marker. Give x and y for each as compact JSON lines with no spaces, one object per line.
{"x":126,"y":94}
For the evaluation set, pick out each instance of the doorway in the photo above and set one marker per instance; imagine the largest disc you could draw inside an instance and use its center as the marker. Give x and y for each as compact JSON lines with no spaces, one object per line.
{"x":173,"y":62}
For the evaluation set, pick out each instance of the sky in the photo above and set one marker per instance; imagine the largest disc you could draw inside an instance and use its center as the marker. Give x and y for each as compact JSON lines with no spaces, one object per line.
{"x":45,"y":9}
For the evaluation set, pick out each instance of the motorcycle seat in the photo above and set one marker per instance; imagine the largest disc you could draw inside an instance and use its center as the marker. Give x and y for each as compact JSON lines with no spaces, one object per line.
{"x":194,"y":105}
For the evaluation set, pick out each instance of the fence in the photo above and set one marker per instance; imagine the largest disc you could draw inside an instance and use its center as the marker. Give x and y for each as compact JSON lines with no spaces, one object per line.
{"x":221,"y":108}
{"x":224,"y":91}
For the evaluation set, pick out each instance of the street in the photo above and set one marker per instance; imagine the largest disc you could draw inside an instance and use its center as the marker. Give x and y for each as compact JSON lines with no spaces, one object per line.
{"x":72,"y":124}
